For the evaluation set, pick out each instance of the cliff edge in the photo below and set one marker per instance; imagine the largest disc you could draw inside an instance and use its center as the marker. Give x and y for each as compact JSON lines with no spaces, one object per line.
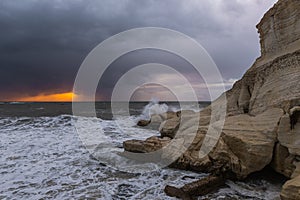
{"x":262,"y":125}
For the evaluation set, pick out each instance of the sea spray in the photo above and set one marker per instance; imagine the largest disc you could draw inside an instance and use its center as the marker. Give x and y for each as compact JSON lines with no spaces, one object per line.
{"x":153,"y":108}
{"x":43,"y":157}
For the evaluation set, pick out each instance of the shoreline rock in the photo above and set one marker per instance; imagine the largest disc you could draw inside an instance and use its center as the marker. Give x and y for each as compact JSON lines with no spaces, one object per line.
{"x":197,"y":188}
{"x":291,"y":189}
{"x":262,"y":124}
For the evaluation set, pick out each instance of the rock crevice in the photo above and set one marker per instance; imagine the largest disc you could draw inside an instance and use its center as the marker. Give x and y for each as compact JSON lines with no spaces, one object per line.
{"x":262,"y":125}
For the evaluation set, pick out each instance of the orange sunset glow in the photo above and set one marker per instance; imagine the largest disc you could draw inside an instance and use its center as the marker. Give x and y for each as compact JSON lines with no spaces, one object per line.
{"x":60,"y":97}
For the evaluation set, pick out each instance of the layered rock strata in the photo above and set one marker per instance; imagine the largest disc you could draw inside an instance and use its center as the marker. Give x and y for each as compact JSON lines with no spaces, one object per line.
{"x":262,"y":125}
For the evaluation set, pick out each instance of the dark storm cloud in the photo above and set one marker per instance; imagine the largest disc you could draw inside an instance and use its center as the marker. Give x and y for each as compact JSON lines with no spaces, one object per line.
{"x":139,"y":57}
{"x":43,"y":42}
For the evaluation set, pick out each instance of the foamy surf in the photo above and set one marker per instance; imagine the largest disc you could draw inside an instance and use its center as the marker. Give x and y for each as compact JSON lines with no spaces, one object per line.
{"x":43,"y":157}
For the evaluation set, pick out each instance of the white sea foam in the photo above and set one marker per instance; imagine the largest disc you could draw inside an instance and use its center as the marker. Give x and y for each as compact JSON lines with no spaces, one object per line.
{"x":43,"y":157}
{"x":154,"y":108}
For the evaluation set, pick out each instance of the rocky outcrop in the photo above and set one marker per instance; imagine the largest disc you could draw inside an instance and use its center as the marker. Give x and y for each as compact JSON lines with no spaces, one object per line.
{"x":280,"y":29}
{"x":143,"y":122}
{"x":245,"y":146}
{"x":289,"y":131}
{"x":251,"y":140}
{"x":291,"y":189}
{"x":197,"y":188}
{"x":156,"y":119}
{"x":262,"y":125}
{"x":169,"y":127}
{"x":289,"y":137}
{"x":149,"y":145}
{"x":283,"y":161}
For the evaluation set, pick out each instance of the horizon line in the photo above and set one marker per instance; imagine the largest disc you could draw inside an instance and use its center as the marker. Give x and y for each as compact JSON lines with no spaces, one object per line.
{"x":92,"y":101}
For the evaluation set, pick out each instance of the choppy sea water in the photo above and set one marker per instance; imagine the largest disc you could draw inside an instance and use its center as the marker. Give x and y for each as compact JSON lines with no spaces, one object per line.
{"x":44,"y":158}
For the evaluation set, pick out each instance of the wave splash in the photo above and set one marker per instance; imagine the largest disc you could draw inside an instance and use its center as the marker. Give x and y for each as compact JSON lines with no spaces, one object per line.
{"x":154,"y":107}
{"x":43,"y":157}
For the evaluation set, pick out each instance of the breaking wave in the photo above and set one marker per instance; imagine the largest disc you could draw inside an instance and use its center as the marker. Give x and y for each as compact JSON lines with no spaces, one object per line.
{"x":43,"y":157}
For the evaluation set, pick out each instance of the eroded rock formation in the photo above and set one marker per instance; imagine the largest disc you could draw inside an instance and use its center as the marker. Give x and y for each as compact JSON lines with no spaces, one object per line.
{"x":262,"y":125}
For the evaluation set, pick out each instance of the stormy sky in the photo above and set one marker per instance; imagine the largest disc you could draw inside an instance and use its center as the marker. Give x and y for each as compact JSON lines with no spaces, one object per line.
{"x":44,"y":42}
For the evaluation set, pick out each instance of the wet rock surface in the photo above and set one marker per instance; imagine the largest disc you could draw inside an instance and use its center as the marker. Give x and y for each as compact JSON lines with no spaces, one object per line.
{"x":262,"y":124}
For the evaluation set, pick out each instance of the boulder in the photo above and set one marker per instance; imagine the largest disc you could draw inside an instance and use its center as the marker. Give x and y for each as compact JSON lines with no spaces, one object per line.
{"x":149,"y":145}
{"x":252,"y":139}
{"x":155,"y":120}
{"x":196,"y":188}
{"x":143,"y":122}
{"x":245,"y":145}
{"x":169,"y":127}
{"x":135,"y":146}
{"x":291,"y":189}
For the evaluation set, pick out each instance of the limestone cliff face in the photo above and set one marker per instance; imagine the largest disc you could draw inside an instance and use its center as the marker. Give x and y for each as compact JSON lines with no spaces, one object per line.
{"x":273,"y":82}
{"x":262,"y":125}
{"x":280,"y":29}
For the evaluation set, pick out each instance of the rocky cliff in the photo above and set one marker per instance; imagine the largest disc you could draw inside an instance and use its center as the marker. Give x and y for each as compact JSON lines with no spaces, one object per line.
{"x":262,"y":125}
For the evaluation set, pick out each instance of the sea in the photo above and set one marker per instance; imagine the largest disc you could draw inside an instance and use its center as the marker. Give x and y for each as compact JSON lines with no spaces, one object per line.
{"x":43,"y":157}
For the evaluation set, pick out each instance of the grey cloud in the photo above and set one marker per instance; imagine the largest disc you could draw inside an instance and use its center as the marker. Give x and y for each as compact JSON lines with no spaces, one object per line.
{"x":43,"y":43}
